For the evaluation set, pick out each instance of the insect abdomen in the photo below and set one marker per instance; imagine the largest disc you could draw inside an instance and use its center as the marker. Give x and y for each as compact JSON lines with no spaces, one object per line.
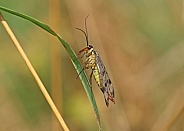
{"x":96,"y":75}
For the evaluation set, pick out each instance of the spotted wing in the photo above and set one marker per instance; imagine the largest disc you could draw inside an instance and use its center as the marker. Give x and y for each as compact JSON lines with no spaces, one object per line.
{"x":105,"y":82}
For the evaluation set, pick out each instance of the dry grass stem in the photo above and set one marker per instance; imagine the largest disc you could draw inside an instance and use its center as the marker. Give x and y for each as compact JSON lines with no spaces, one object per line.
{"x":35,"y":75}
{"x":56,"y":60}
{"x":174,"y":119}
{"x":170,"y":115}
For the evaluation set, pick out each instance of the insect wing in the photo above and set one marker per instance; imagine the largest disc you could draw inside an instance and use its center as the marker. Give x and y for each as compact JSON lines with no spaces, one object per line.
{"x":106,"y":85}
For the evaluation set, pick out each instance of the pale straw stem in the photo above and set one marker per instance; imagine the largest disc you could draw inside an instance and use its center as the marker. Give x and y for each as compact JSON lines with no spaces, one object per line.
{"x":35,"y":75}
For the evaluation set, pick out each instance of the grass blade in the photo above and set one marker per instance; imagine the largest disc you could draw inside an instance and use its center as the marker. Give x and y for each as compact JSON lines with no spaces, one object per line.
{"x":72,"y":55}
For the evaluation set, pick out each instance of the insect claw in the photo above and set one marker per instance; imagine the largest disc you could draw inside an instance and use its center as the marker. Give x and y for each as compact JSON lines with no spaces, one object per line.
{"x":77,"y":77}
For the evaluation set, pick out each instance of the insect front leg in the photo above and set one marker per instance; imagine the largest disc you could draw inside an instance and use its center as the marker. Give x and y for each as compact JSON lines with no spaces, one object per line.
{"x":79,"y":57}
{"x":90,"y":78}
{"x":82,"y":55}
{"x":86,"y":66}
{"x":80,"y":72}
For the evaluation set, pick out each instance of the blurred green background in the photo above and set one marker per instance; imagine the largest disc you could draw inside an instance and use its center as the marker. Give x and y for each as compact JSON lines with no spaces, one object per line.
{"x":140,"y":42}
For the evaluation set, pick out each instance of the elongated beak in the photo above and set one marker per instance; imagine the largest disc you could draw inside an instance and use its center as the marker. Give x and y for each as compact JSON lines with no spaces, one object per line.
{"x":85,"y":49}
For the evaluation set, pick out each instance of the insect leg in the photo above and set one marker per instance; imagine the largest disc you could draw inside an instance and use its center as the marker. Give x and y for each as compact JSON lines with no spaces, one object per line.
{"x":90,"y":78}
{"x":82,"y":55}
{"x":80,"y":72}
{"x":86,"y":66}
{"x":79,"y":57}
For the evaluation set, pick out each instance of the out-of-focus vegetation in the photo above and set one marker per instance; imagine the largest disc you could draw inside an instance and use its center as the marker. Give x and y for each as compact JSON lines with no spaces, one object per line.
{"x":141,"y":44}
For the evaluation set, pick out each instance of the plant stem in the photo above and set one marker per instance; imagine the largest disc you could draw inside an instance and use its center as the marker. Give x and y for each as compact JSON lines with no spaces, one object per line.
{"x":33,"y":72}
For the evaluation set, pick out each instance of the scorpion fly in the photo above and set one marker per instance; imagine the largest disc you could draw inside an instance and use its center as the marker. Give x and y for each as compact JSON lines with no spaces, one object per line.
{"x":99,"y":72}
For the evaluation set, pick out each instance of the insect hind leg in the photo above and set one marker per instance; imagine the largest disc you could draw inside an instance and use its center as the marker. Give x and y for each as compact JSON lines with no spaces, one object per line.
{"x":90,"y":81}
{"x":84,"y":67}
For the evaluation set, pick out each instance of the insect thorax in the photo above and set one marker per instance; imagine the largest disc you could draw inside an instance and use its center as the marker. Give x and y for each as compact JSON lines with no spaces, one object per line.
{"x":90,"y":61}
{"x":91,"y":58}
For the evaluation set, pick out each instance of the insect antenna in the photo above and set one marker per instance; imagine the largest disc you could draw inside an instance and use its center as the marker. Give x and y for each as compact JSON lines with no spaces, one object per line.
{"x":85,"y":33}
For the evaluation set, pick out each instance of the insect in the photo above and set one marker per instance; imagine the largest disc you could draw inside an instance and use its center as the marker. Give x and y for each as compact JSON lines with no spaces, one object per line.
{"x":99,"y":72}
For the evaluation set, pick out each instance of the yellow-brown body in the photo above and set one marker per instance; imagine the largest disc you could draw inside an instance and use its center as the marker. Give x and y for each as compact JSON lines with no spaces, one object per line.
{"x":99,"y":72}
{"x":94,"y":62}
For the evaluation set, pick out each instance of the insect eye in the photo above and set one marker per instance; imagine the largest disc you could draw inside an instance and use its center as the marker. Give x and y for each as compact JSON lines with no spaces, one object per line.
{"x":90,"y":46}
